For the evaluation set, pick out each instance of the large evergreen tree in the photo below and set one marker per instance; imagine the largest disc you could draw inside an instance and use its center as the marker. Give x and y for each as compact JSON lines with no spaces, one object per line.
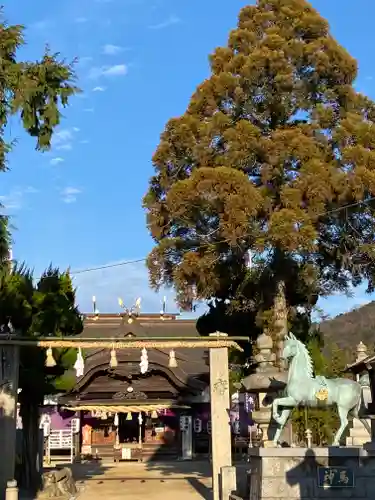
{"x":35,"y":92}
{"x":45,"y":308}
{"x":270,"y":149}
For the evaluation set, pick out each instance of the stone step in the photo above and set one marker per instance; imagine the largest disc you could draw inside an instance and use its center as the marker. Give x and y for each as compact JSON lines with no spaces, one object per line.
{"x":148,"y":452}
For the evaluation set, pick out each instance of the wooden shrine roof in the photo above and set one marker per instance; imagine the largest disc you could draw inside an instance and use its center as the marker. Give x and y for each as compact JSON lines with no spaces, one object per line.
{"x":192,"y":363}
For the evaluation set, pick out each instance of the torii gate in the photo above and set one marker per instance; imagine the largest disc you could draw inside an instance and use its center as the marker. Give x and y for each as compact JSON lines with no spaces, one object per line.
{"x":218,"y":345}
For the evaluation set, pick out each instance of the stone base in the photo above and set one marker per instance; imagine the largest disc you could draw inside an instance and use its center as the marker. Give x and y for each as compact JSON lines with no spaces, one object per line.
{"x":358,"y":435}
{"x":292,"y":473}
{"x":357,"y":441}
{"x":58,"y":483}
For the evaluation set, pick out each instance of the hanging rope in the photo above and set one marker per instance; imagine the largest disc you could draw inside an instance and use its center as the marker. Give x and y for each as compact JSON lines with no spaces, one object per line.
{"x":125,"y":408}
{"x":131,"y":344}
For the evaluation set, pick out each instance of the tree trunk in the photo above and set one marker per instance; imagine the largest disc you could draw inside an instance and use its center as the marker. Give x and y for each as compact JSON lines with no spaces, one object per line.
{"x":30,"y":469}
{"x":280,"y":324}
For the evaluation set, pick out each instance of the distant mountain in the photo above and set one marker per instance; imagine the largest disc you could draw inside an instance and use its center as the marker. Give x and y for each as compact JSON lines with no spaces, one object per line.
{"x":349,"y":329}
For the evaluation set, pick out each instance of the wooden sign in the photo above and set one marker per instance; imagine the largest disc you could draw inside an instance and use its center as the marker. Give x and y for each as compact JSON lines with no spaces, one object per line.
{"x":335,"y":477}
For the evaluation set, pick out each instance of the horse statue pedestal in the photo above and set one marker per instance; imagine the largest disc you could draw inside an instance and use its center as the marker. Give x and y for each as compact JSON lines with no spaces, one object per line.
{"x":311,"y":473}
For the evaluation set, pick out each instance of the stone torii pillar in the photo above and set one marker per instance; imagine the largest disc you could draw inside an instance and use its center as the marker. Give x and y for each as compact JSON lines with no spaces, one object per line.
{"x":220,"y":422}
{"x":9,"y":365}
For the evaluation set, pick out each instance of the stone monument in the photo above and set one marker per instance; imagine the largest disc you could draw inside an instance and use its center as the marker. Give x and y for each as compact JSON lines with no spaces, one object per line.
{"x":312,"y":473}
{"x":59,"y":484}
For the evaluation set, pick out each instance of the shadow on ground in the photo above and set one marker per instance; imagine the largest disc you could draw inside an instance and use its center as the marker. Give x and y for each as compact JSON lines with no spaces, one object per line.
{"x":197,"y":473}
{"x":83,"y":471}
{"x":128,"y":480}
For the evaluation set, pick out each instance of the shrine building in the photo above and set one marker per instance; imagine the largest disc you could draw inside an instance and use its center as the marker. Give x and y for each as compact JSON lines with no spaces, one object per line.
{"x":127,"y":412}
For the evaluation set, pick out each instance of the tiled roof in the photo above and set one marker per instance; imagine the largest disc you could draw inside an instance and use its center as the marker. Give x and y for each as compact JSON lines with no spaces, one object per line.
{"x":191,"y":361}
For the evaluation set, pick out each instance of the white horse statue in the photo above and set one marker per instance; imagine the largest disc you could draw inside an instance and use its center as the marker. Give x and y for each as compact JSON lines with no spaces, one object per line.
{"x":303,"y":389}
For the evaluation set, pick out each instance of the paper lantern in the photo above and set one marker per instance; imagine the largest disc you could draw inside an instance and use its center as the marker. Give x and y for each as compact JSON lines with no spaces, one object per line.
{"x":197,"y":425}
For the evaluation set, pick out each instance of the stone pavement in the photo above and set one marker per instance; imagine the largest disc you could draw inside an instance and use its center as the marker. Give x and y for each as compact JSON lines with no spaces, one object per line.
{"x":136,"y":481}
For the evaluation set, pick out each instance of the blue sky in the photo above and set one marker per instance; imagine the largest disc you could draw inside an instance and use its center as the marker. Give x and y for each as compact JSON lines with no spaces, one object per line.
{"x":79,"y":205}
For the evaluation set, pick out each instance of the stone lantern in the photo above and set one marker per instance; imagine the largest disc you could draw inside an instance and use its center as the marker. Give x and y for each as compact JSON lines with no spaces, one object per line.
{"x":364,"y":369}
{"x":265,"y":382}
{"x":358,"y":435}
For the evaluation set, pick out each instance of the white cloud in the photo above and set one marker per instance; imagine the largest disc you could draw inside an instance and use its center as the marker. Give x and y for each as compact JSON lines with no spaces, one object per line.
{"x":65,"y":147}
{"x":131,"y":281}
{"x":63,"y":139}
{"x":128,"y":282}
{"x":12,"y":201}
{"x":341,"y":303}
{"x":56,"y":160}
{"x":165,"y":24}
{"x":118,"y":69}
{"x":82,"y":61}
{"x":41,"y":25}
{"x":108,"y":71}
{"x":69,"y":194}
{"x":99,"y":89}
{"x":15,"y":199}
{"x":30,"y":190}
{"x":62,"y":136}
{"x":111,"y":50}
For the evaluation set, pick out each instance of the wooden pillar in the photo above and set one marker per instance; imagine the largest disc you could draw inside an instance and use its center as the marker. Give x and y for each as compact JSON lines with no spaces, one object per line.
{"x":220,"y":421}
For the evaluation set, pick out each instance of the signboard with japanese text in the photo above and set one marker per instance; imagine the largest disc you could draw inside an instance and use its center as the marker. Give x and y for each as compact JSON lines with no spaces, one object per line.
{"x":249,"y":403}
{"x":335,"y":477}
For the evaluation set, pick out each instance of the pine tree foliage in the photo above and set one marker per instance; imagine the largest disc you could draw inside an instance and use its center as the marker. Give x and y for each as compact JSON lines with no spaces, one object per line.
{"x":34,"y":90}
{"x":272,"y":146}
{"x":39,"y":309}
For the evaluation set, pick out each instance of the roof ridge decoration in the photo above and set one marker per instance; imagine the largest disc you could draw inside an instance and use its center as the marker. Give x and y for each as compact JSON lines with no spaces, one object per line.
{"x":121,"y":395}
{"x":130,"y":313}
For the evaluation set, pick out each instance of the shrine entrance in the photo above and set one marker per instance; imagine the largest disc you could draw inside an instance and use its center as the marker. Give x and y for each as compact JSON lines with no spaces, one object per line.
{"x":131,"y":427}
{"x":217,"y":344}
